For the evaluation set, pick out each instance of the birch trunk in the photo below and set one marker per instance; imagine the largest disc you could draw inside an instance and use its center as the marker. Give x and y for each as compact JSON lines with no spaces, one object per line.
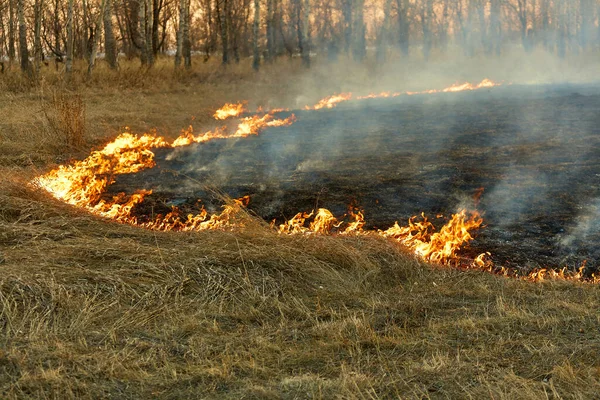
{"x":11,"y":31}
{"x":70,"y":40}
{"x":37,"y":35}
{"x":23,"y":51}
{"x":187,"y":43}
{"x":255,"y":26}
{"x":110,"y":45}
{"x":270,"y":31}
{"x":95,"y":38}
{"x":179,"y":35}
{"x":149,"y":8}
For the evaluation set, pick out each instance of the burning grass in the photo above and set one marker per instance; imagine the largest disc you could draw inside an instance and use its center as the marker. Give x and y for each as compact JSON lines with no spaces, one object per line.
{"x":90,"y":308}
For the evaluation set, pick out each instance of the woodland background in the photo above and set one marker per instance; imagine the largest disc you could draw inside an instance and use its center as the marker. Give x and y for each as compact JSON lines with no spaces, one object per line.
{"x":38,"y":32}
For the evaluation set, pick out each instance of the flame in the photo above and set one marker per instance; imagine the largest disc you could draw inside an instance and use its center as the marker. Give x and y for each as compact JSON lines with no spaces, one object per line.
{"x":330,"y":101}
{"x":230,"y":110}
{"x":253,"y":125}
{"x":84,"y":184}
{"x":439,"y":247}
{"x":355,"y":227}
{"x":333,"y":101}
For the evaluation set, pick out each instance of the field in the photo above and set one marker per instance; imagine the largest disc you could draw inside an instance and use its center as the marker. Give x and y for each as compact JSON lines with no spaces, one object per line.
{"x":92,"y":309}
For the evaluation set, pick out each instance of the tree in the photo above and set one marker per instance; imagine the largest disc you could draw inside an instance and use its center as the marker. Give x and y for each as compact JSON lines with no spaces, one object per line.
{"x":37,"y":35}
{"x":110,"y":44}
{"x":11,"y":31}
{"x":383,"y":35}
{"x":403,"y":26}
{"x":70,"y":40}
{"x":305,"y":33}
{"x":95,"y":37}
{"x":23,"y":51}
{"x":255,"y":31}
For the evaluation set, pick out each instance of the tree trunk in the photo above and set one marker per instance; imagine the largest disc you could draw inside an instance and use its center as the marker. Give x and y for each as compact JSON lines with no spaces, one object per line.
{"x":561,"y":43}
{"x":179,"y":35}
{"x":382,"y":38}
{"x":70,"y":40}
{"x":156,"y":9}
{"x":37,"y":35}
{"x":142,"y":13}
{"x":110,"y":45}
{"x":359,"y":46}
{"x":223,"y":19}
{"x":306,"y":35}
{"x":95,"y":38}
{"x":187,"y":43}
{"x":444,"y":26}
{"x":495,"y":27}
{"x":347,"y":10}
{"x":270,"y":31}
{"x":58,"y":56}
{"x":86,"y":35}
{"x":23,"y":51}
{"x":426,"y":16}
{"x":11,"y":31}
{"x":149,"y":9}
{"x":403,"y":27}
{"x":587,"y":22}
{"x":255,"y":26}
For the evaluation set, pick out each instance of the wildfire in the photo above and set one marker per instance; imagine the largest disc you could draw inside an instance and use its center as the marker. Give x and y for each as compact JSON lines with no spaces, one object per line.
{"x":230,"y":110}
{"x":84,"y":184}
{"x":438,"y":247}
{"x":333,"y":101}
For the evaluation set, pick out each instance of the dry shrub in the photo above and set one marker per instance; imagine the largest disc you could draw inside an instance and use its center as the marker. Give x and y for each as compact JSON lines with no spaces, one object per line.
{"x":66,"y":118}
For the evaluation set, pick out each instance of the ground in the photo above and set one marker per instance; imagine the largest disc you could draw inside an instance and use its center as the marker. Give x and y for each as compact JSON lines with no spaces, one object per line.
{"x":93,"y":309}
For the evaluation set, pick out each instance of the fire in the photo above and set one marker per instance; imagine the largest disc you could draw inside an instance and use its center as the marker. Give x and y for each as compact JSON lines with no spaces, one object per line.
{"x":253,"y":125}
{"x":230,"y":110}
{"x":331,"y":101}
{"x":438,"y":247}
{"x":356,"y":226}
{"x":84,"y":184}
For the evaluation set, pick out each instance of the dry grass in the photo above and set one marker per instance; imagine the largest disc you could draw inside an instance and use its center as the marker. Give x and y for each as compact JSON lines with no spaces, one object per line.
{"x":94,"y":309}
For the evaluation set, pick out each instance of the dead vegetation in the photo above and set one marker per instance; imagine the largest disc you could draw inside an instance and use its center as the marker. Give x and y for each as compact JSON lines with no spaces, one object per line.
{"x":94,"y":309}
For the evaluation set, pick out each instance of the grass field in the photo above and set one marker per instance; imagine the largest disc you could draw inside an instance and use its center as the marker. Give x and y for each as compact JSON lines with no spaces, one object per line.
{"x":93,"y":309}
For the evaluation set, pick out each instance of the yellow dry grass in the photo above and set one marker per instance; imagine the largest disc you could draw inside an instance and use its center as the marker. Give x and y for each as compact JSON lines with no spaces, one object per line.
{"x":93,"y":309}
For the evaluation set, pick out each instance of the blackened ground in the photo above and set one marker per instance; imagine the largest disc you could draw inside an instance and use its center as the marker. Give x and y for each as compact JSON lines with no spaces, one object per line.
{"x":535,"y":151}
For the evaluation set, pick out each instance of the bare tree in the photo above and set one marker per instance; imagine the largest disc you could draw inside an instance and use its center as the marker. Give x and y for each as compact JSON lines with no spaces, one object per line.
{"x":270,"y":21}
{"x":37,"y":35}
{"x":70,"y":40}
{"x":383,"y":36}
{"x":23,"y":51}
{"x":403,"y":26}
{"x":95,"y":37}
{"x":255,"y":31}
{"x":11,"y":31}
{"x":110,"y":44}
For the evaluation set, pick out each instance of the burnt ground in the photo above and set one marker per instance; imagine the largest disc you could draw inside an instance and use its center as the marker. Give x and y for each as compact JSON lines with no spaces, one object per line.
{"x":535,"y":151}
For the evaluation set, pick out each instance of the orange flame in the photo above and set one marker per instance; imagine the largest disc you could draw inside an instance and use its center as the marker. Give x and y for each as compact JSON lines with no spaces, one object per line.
{"x":84,"y":184}
{"x":330,"y":101}
{"x":230,"y":110}
{"x":333,"y":101}
{"x":439,"y":247}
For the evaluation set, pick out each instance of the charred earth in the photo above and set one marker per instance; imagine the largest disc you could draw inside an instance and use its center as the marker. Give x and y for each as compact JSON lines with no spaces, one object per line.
{"x":533,"y":149}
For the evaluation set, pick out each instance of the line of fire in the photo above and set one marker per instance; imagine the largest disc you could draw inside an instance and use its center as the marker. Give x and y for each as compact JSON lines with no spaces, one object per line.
{"x":481,"y":210}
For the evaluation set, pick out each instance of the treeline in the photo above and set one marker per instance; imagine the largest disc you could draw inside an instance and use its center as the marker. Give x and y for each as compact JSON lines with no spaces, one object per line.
{"x":35,"y":32}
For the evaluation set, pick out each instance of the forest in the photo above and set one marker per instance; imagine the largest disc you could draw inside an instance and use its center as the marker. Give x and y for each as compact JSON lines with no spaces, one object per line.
{"x":40,"y":32}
